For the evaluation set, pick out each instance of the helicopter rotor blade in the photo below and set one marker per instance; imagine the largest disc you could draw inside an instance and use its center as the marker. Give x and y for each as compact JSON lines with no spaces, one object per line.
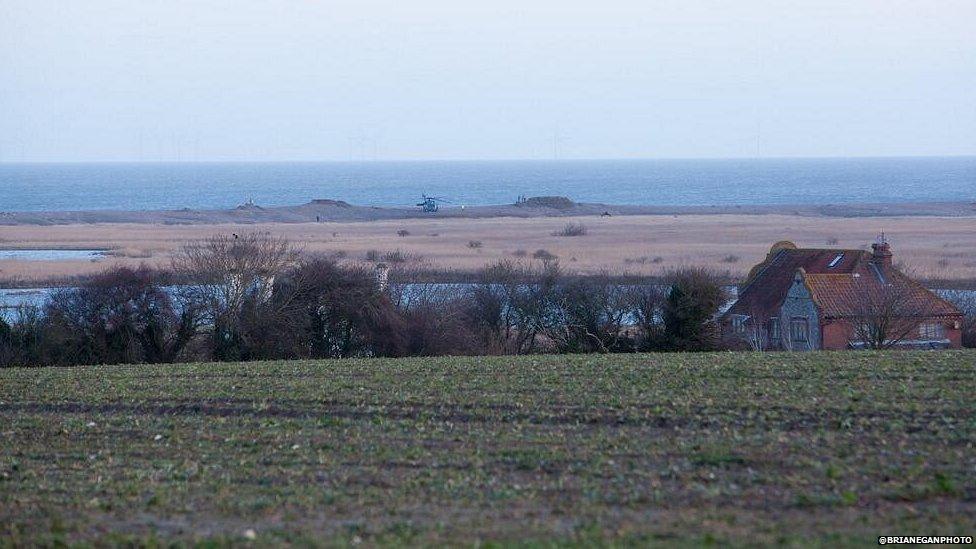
{"x":425,"y":198}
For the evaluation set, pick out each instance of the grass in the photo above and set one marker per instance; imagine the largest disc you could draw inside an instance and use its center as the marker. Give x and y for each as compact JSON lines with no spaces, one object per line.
{"x":797,"y":449}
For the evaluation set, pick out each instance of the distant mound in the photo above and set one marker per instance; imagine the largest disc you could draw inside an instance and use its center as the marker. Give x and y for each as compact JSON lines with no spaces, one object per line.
{"x":330,"y":202}
{"x":555,"y":202}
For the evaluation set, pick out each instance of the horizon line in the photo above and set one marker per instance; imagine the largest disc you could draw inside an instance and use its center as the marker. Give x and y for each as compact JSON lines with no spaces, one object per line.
{"x":459,"y":160}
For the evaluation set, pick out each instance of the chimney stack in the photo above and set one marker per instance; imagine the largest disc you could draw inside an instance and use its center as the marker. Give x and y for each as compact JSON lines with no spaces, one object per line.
{"x":882,"y":253}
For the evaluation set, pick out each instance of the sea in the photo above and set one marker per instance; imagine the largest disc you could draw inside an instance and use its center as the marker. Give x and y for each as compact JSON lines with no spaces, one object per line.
{"x":217,"y":185}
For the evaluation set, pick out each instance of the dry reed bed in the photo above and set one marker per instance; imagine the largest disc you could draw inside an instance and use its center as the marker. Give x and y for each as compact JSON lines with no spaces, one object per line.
{"x":931,"y":247}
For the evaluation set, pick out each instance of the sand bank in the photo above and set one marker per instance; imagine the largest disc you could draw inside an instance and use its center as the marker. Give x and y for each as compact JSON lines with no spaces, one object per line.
{"x":326,"y":210}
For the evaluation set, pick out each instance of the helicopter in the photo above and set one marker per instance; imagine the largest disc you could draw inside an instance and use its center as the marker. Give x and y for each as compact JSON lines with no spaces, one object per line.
{"x":430,"y":203}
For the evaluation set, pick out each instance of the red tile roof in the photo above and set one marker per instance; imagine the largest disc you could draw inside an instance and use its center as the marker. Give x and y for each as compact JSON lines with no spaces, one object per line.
{"x":834,"y":294}
{"x":839,"y":295}
{"x":834,"y":277}
{"x":769,"y":281}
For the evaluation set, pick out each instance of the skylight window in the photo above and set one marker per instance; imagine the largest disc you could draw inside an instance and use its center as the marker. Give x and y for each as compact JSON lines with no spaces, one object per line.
{"x":835,"y":261}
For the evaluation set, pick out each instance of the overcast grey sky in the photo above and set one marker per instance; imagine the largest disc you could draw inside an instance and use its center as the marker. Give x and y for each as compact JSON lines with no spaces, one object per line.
{"x":433,"y":79}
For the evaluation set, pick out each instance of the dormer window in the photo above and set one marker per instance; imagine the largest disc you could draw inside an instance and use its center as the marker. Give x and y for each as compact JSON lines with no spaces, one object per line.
{"x":835,"y":261}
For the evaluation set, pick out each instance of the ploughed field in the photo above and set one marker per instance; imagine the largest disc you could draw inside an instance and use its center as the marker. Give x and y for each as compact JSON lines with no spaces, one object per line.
{"x":577,"y":450}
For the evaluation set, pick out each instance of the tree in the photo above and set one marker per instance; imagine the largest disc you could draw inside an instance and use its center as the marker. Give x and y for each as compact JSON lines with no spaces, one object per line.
{"x":230,"y":280}
{"x":511,"y":304}
{"x":966,"y":303}
{"x":589,"y":315}
{"x":786,"y":337}
{"x":646,"y":308}
{"x":694,"y":299}
{"x":753,"y":330}
{"x":886,"y":310}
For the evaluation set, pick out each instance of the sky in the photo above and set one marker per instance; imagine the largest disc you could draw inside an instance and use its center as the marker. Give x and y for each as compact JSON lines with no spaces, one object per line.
{"x":117,"y":80}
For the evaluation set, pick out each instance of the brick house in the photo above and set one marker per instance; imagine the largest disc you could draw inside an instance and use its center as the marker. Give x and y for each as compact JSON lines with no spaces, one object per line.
{"x":808,"y":298}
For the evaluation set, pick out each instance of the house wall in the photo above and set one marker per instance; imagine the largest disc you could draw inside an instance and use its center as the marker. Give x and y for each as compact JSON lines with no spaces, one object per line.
{"x":955,"y":337}
{"x":837,"y":335}
{"x":799,"y":304}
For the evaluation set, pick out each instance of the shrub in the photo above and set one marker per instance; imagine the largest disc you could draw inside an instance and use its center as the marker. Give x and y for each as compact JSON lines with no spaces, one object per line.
{"x":520,"y":253}
{"x":399,"y":256}
{"x":544,"y":255}
{"x":642,"y":260}
{"x":571,"y":229}
{"x":730,"y":259}
{"x":120,"y":315}
{"x":969,"y":331}
{"x":329,"y":311}
{"x":474,"y":244}
{"x":833,"y":241}
{"x":22,"y":340}
{"x":396,"y":256}
{"x":435,"y":322}
{"x":250,"y":298}
{"x":403,"y":232}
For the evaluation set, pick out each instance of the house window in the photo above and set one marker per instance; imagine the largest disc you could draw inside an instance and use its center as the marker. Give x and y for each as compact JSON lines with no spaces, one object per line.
{"x":799,"y":329}
{"x":931,"y":330}
{"x":774,"y":329}
{"x":739,"y":324}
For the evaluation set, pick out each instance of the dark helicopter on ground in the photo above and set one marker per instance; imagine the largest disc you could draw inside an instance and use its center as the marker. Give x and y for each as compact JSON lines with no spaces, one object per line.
{"x":431,"y":203}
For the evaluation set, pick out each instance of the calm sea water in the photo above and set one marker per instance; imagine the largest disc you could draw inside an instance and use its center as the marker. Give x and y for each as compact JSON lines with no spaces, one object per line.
{"x":140,"y":186}
{"x":52,"y":255}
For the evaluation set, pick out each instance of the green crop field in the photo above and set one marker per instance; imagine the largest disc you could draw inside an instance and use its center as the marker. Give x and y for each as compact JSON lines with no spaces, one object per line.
{"x":828,"y":448}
